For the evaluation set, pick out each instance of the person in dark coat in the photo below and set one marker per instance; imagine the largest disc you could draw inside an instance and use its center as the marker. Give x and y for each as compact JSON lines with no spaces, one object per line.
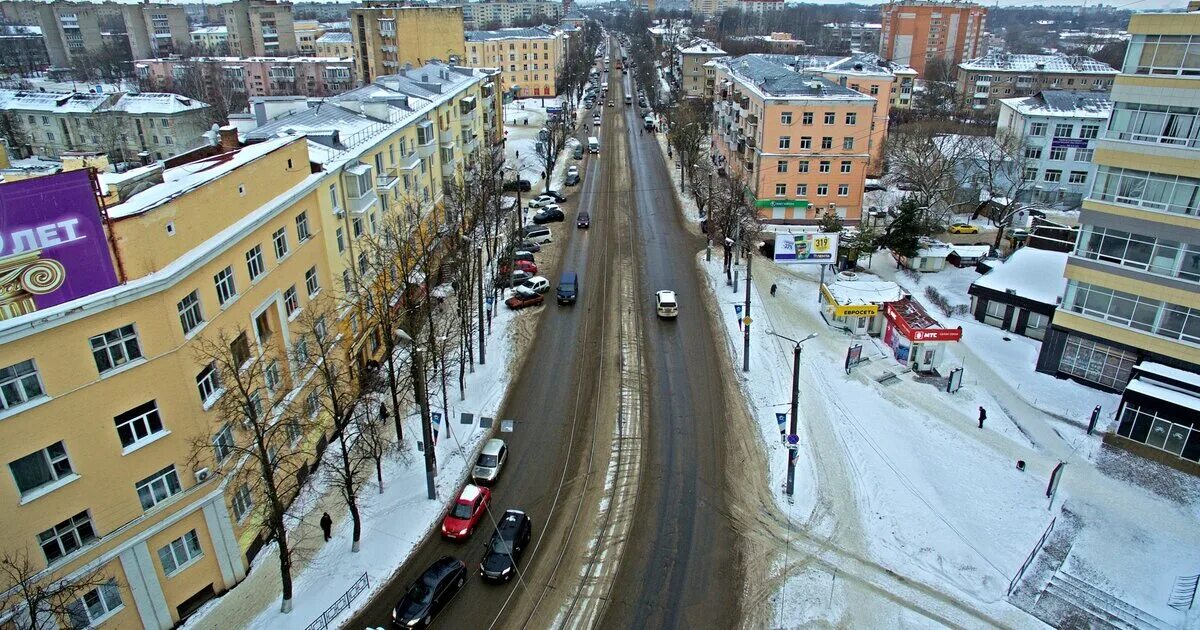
{"x":326,"y":525}
{"x":982,"y":416}
{"x":773,"y":288}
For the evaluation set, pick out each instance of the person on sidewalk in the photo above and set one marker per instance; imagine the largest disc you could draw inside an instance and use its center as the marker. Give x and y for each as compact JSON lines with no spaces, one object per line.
{"x":982,"y":416}
{"x":383,"y":411}
{"x":326,"y":525}
{"x":773,"y":288}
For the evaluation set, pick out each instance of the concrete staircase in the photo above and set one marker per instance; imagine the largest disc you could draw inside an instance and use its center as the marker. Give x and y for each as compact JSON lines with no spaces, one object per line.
{"x":1102,"y":609}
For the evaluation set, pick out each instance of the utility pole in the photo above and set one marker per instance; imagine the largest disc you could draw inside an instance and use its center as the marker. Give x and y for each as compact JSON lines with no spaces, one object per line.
{"x":482,"y":344}
{"x":746,"y":328}
{"x":419,"y":391}
{"x":791,"y":463}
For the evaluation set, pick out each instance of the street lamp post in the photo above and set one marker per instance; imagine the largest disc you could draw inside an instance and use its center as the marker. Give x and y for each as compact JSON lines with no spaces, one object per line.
{"x":793,"y":446}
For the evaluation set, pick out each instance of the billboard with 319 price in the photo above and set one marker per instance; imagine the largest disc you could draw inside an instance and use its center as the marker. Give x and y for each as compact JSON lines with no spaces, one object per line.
{"x":806,"y":247}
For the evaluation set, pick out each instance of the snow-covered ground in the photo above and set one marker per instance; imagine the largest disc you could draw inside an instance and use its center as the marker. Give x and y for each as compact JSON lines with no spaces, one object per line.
{"x":523,"y":119}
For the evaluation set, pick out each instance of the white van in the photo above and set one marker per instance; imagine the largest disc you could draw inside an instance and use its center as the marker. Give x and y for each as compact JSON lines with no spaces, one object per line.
{"x":593,"y":144}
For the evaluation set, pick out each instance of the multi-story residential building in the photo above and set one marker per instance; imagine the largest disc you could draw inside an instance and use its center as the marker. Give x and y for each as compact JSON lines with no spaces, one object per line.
{"x":425,"y":33}
{"x":709,"y":8}
{"x":22,"y":50}
{"x":689,"y":67}
{"x":252,"y":76}
{"x":778,"y":42}
{"x":211,"y":39}
{"x":260,"y":28}
{"x":307,"y":34}
{"x":492,"y":14}
{"x":852,"y":36}
{"x":336,"y":44}
{"x":127,"y":127}
{"x":105,"y":396}
{"x":1059,"y":131}
{"x":915,"y":32}
{"x":984,"y":81}
{"x":73,"y":31}
{"x":1132,"y":300}
{"x":758,"y":7}
{"x":799,"y":139}
{"x":529,"y":59}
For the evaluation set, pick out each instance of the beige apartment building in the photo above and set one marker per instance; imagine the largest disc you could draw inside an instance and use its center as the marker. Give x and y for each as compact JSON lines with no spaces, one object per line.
{"x":335,"y":44}
{"x":425,"y":33}
{"x":307,"y":34}
{"x":103,"y":396}
{"x":75,"y":30}
{"x":984,"y":81}
{"x":260,"y":28}
{"x":800,"y":140}
{"x":695,"y":80}
{"x":913,"y":33}
{"x":504,"y":13}
{"x":529,"y":59}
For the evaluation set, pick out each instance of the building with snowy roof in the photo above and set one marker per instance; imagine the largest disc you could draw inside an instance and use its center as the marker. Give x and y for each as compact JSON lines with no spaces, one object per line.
{"x":22,"y":50}
{"x":857,"y":305}
{"x":126,"y":126}
{"x":1159,"y":416}
{"x":336,"y":44}
{"x":251,"y":76}
{"x":1020,"y":293}
{"x":689,"y":68}
{"x":852,"y":36}
{"x":985,"y":80}
{"x":529,"y":59}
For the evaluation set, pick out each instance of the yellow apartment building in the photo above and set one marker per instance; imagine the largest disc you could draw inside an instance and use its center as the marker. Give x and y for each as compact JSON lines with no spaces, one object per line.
{"x":801,"y":140}
{"x":102,"y":396}
{"x":425,"y":33}
{"x":529,"y":59}
{"x":1130,"y":316}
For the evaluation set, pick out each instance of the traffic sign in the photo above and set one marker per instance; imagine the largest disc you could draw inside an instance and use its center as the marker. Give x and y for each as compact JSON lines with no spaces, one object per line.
{"x":746,"y":320}
{"x":793,"y":439}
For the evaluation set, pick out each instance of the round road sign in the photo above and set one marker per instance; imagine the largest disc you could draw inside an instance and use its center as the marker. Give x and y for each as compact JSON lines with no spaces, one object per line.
{"x":793,"y":439}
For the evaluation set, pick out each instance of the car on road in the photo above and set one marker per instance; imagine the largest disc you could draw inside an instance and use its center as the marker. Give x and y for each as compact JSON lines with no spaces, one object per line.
{"x":549,"y":214}
{"x":505,"y":280}
{"x":588,"y":104}
{"x":572,"y":179}
{"x":541,"y":201}
{"x":490,"y":461}
{"x":559,"y":197}
{"x":430,"y":593}
{"x":522,"y":254}
{"x":529,"y":246}
{"x":568,"y":288}
{"x":584,"y":220}
{"x":522,"y":185}
{"x":504,"y":550}
{"x":521,"y":265}
{"x":577,"y":152}
{"x":465,"y":512}
{"x":962,"y":228}
{"x":537,"y":233}
{"x":628,"y":101}
{"x":666,"y":305}
{"x":537,"y":284}
{"x":522,"y":298}
{"x":610,"y":104}
{"x":596,"y":121}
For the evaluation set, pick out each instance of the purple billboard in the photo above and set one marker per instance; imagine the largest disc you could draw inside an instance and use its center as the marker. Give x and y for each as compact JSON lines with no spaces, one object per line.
{"x":53,"y":247}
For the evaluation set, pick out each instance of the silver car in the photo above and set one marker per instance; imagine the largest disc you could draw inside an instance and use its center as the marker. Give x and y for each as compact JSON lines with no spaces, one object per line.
{"x":491,"y":461}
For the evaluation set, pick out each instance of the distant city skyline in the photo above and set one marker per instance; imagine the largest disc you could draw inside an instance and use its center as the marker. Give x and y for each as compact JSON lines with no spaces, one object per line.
{"x":1133,"y":5}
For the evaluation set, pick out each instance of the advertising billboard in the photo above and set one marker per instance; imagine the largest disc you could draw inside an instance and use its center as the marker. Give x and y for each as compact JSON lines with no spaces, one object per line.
{"x":52,"y":243}
{"x":806,"y":247}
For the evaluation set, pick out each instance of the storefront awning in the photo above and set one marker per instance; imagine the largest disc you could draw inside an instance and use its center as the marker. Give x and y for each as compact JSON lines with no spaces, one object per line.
{"x":911,"y":320}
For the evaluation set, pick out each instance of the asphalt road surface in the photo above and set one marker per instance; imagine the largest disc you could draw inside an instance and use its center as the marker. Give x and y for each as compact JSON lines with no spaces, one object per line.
{"x":680,"y":568}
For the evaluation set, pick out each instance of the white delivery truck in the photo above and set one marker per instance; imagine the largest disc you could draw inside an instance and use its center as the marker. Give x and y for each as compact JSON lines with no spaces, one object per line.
{"x":593,"y":144}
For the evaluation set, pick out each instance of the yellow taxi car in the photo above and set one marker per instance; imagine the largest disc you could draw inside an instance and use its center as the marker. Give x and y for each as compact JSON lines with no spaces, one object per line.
{"x":962,"y":228}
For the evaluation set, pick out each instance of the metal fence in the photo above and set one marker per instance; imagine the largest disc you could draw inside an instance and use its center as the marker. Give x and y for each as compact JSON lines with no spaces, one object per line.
{"x":1029,"y":560}
{"x":342,"y":603}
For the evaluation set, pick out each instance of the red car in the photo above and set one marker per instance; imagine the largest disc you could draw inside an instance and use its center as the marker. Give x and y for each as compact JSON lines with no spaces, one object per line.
{"x":523,"y":299}
{"x":466,"y":512}
{"x":523,"y":265}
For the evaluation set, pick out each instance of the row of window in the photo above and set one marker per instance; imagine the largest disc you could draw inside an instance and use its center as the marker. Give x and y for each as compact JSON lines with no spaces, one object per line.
{"x":822,"y":190}
{"x":1148,"y":427}
{"x":1155,"y":191}
{"x":78,"y":531}
{"x":1053,"y":176}
{"x":1164,"y":257}
{"x":829,"y":118}
{"x":1097,"y":362}
{"x":823,"y":166}
{"x":806,"y":142}
{"x":1065,"y":130}
{"x":1159,"y":124}
{"x":1059,"y":154}
{"x":1157,"y":317}
{"x":1163,"y":54}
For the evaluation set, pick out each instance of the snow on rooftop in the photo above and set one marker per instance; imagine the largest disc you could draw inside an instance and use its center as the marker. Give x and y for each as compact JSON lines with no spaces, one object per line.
{"x":863,"y":292}
{"x":1057,"y":63}
{"x":334,"y":38}
{"x":536,"y":32}
{"x":1076,"y":104}
{"x":1166,"y":371}
{"x":84,"y":103}
{"x":1036,"y":274}
{"x":1166,"y":394}
{"x":771,"y":78}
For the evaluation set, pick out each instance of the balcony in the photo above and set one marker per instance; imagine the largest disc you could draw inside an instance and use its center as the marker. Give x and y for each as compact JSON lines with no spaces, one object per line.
{"x":408,"y":162}
{"x":469,"y":117}
{"x":471,"y":145}
{"x":384,"y":183}
{"x":447,"y":138}
{"x":425,"y":139}
{"x":752,"y":119}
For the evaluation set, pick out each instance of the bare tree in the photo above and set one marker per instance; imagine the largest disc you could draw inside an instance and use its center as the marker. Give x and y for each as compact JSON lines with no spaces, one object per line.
{"x":13,"y":131}
{"x":27,"y":589}
{"x":930,"y":164}
{"x":732,"y":219}
{"x":688,"y":131}
{"x":264,"y":452}
{"x":704,"y":185}
{"x":551,"y":141}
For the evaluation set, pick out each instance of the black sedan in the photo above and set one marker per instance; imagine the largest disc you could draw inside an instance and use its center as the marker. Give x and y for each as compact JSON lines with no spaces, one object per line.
{"x":529,"y":246}
{"x":430,"y":593}
{"x":512,"y":279}
{"x":549,"y":215}
{"x":559,"y":197}
{"x":506,"y":547}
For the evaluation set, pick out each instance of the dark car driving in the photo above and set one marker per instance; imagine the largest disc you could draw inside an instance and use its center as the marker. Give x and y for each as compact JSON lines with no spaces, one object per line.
{"x":584,"y":220}
{"x":506,"y":547}
{"x":430,"y":593}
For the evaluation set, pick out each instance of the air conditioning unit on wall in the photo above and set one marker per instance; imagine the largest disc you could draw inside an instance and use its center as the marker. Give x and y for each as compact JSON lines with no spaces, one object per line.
{"x":202,"y":475}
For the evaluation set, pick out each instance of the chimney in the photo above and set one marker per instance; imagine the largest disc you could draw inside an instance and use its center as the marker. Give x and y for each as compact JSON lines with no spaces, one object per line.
{"x":228,"y":138}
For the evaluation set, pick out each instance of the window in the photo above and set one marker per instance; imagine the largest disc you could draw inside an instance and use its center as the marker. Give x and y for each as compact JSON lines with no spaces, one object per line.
{"x":806,"y":118}
{"x":1030,"y":174}
{"x":780,"y":190}
{"x":830,"y":117}
{"x":95,"y":606}
{"x":851,"y":118}
{"x":310,"y":281}
{"x":362,"y":263}
{"x":827,"y":142}
{"x":243,"y":502}
{"x":805,"y":142}
{"x":271,"y":376}
{"x":240,"y":349}
{"x":333,"y":198}
{"x":848,"y":143}
{"x":996,"y":309}
{"x":341,"y":240}
{"x":1077,"y":177}
{"x":138,"y":424}
{"x":300,"y":350}
{"x":843,"y":190}
{"x":223,"y":443}
{"x":1096,"y":362}
{"x":1163,"y":54}
{"x":874,"y":90}
{"x":302,"y":233}
{"x":801,"y":190}
{"x":1157,"y":317}
{"x":1037,"y":129}
{"x":824,"y":166}
{"x":781,"y":166}
{"x":1058,"y":153}
{"x":291,"y":303}
{"x":208,"y":383}
{"x":179,"y":553}
{"x":1052,"y":175}
{"x":785,"y":118}
{"x":320,"y":329}
{"x":1063,"y":130}
{"x":785,"y":142}
{"x":158,"y":487}
{"x":254,"y":262}
{"x":279,"y":239}
{"x":803,"y":166}
{"x":226,"y":290}
{"x":822,"y":190}
{"x":67,"y":536}
{"x":292,"y":429}
{"x":1161,"y":256}
{"x":357,"y":226}
{"x":1033,"y":153}
{"x":1089,"y":131}
{"x":42,"y":467}
{"x":847,"y":165}
{"x":347,"y":284}
{"x":1156,"y":191}
{"x":115,"y":348}
{"x":190,"y":316}
{"x":1084,"y":155}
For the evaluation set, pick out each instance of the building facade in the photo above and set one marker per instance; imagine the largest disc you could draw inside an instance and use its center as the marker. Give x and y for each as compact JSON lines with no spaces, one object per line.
{"x":307,"y":34}
{"x":107,"y":474}
{"x":852,"y":36}
{"x":1133,"y":280}
{"x":260,"y":28}
{"x":22,"y":50}
{"x":799,"y":139}
{"x":425,"y":33}
{"x":914,"y":33}
{"x":694,"y":78}
{"x":505,"y":14}
{"x":127,"y":127}
{"x":529,"y":59}
{"x":252,"y":76}
{"x":335,"y":45}
{"x":1059,"y":131}
{"x":984,"y":81}
{"x":211,"y":39}
{"x":74,"y":31}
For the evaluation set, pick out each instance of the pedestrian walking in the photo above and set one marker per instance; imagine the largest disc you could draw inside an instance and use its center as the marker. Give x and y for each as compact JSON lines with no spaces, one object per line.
{"x":383,"y":412}
{"x":773,"y":288}
{"x":326,"y":525}
{"x":982,"y":416}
